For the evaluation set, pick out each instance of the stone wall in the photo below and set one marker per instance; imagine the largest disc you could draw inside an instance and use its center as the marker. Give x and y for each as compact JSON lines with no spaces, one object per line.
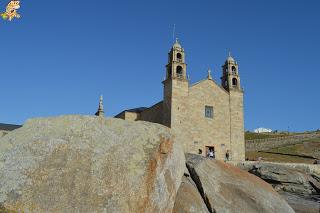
{"x":183,"y":110}
{"x":237,"y":125}
{"x":130,"y":116}
{"x":153,"y":114}
{"x":270,"y":143}
{"x":180,"y":110}
{"x":208,"y":131}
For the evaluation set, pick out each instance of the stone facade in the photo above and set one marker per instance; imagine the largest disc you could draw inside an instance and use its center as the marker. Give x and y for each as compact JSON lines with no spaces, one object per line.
{"x":206,"y":115}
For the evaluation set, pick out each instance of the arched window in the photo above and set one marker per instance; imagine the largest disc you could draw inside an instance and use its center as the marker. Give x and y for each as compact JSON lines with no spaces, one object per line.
{"x":179,"y":56}
{"x":234,"y":70}
{"x":234,"y":82}
{"x":179,"y":70}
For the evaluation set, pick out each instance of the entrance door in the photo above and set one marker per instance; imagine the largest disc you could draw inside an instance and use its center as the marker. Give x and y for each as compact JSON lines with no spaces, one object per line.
{"x":208,"y":149}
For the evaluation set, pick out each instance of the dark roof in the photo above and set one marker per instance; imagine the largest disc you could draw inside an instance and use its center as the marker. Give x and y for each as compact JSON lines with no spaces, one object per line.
{"x":137,"y":110}
{"x":9,"y":127}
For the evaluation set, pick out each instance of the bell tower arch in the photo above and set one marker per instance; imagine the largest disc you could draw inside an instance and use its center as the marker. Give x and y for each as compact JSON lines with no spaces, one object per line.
{"x":176,"y":67}
{"x":230,"y":79}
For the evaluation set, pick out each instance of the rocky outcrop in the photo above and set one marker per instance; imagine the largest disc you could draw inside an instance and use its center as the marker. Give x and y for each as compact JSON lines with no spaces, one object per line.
{"x":299,"y":184}
{"x":93,"y":164}
{"x":225,"y":188}
{"x":188,"y":198}
{"x":89,"y":164}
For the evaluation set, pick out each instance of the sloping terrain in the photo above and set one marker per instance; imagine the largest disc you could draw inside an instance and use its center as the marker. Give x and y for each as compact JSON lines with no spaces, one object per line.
{"x":304,"y":151}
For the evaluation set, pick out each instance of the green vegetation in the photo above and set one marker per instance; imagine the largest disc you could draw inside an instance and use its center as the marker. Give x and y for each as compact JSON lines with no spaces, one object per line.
{"x":277,"y":158}
{"x":302,"y":152}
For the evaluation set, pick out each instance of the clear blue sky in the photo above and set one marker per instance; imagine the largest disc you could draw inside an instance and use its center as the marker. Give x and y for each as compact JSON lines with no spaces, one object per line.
{"x":61,"y":55}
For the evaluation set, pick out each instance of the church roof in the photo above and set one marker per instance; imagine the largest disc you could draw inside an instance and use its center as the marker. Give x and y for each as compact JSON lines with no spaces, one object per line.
{"x":206,"y":79}
{"x":9,"y":127}
{"x":137,"y":110}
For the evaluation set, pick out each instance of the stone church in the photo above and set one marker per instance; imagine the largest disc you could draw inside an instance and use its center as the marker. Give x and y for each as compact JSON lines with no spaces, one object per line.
{"x":208,"y":115}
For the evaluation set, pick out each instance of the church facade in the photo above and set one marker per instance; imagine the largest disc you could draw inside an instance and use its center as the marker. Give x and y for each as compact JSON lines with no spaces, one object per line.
{"x":208,"y":115}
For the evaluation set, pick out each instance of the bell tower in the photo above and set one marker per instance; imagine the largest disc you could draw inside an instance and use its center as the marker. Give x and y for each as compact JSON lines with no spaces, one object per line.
{"x":231,"y":82}
{"x":176,"y":87}
{"x":230,"y":79}
{"x":176,"y":67}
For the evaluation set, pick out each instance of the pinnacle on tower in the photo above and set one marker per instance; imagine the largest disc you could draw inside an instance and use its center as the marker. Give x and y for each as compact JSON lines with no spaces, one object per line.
{"x":100,"y":111}
{"x":209,"y":74}
{"x":177,"y":44}
{"x":230,"y":58}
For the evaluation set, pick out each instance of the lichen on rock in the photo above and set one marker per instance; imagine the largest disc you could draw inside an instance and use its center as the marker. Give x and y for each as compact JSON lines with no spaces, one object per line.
{"x":89,"y":164}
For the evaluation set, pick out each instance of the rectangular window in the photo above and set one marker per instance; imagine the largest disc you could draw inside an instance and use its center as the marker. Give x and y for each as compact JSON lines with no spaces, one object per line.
{"x":208,"y":111}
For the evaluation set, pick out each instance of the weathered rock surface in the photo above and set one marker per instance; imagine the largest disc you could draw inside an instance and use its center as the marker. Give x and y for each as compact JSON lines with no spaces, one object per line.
{"x":188,"y":198}
{"x":89,"y":164}
{"x":299,"y":186}
{"x":287,"y":179}
{"x":225,"y":188}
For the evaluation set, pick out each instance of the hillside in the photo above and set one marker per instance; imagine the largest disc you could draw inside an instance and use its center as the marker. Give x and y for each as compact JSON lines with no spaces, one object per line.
{"x":304,"y":150}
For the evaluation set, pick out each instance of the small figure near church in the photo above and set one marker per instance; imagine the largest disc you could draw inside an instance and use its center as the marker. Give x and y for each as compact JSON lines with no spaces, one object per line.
{"x":211,"y":154}
{"x":227,"y":155}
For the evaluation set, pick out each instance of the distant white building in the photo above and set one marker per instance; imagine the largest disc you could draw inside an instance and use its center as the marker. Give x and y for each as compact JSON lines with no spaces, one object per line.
{"x":262,"y":130}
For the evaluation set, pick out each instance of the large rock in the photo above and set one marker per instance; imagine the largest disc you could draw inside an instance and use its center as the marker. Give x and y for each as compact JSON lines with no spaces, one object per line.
{"x":287,"y":179}
{"x":188,"y":198}
{"x":225,"y":188}
{"x":298,"y":184}
{"x":89,"y":164}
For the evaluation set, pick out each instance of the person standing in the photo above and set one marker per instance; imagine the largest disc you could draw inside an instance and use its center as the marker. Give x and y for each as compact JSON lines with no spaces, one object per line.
{"x":227,"y":155}
{"x":211,"y":154}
